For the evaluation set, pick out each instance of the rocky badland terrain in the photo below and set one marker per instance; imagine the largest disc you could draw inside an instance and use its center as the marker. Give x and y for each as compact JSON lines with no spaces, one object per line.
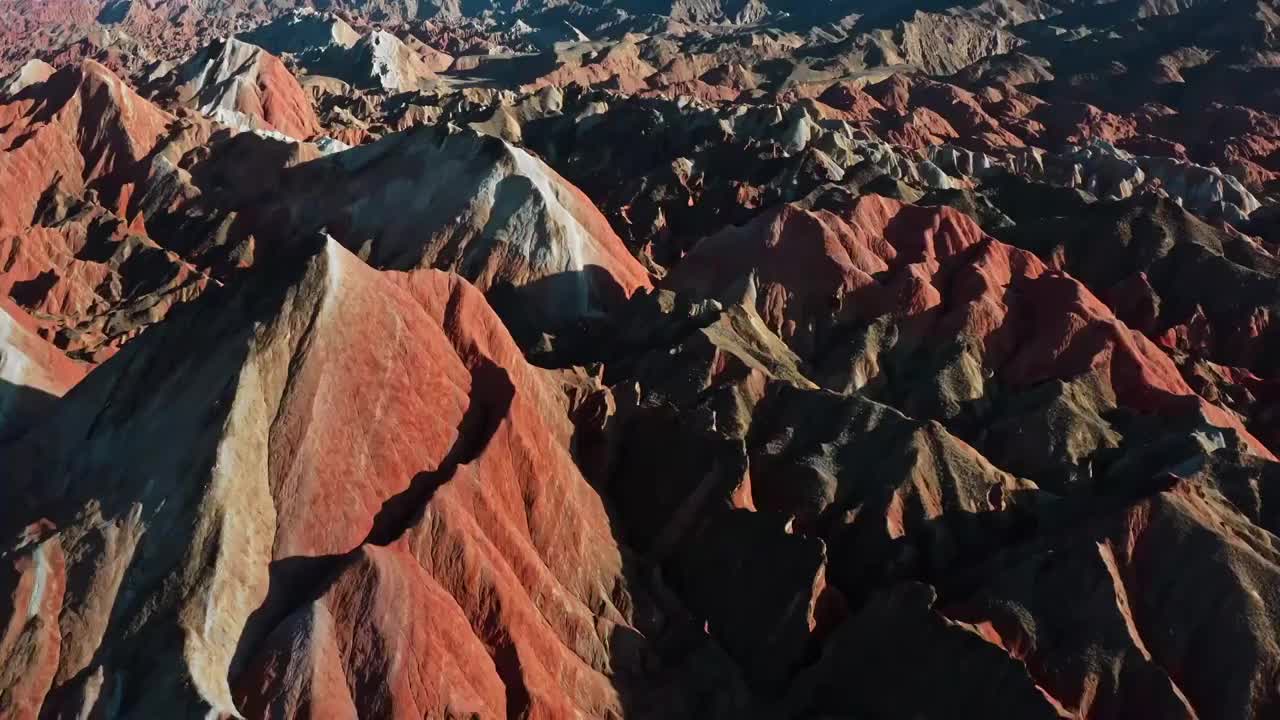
{"x":636,"y":359}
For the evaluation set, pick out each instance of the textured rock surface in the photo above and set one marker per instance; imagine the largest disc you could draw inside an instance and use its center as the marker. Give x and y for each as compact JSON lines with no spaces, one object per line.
{"x":244,"y":86}
{"x":209,"y":546}
{"x":693,"y":359}
{"x":83,"y":128}
{"x":32,"y":372}
{"x":1011,"y":316}
{"x":32,"y":72}
{"x":452,"y":199}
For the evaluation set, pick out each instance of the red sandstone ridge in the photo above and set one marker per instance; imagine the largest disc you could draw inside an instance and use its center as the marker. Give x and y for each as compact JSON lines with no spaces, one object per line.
{"x":453,"y":199}
{"x":243,"y":86}
{"x":923,"y":112}
{"x":83,"y":149}
{"x":934,"y":274}
{"x":334,"y":380}
{"x":91,"y":282}
{"x":619,"y":65}
{"x":82,"y":129}
{"x":963,"y":110}
{"x":852,"y":99}
{"x":466,"y":504}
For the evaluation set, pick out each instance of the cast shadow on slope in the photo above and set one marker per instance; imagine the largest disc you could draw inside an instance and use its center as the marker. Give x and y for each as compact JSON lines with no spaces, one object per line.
{"x":478,"y":426}
{"x":20,"y":406}
{"x":105,"y":419}
{"x":298,"y":580}
{"x":527,"y":322}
